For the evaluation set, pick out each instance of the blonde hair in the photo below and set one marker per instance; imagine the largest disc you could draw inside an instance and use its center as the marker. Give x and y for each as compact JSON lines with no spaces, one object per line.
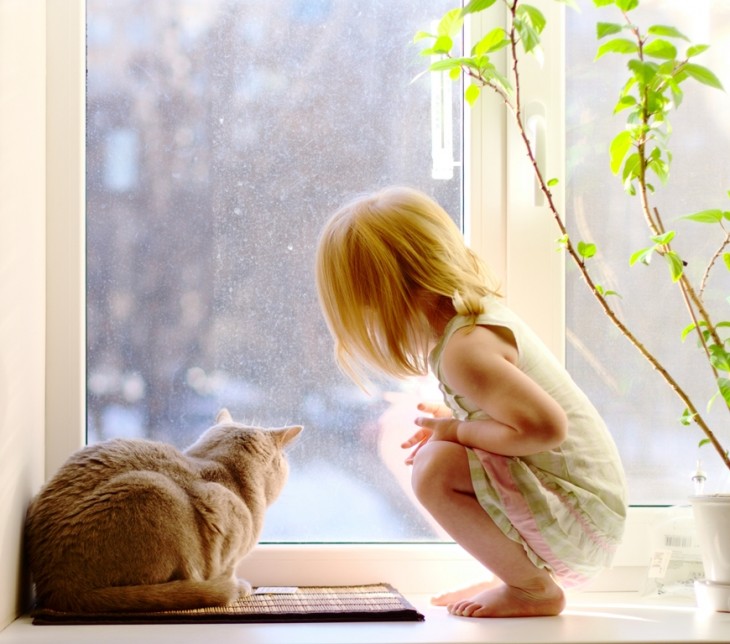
{"x":375,"y":256}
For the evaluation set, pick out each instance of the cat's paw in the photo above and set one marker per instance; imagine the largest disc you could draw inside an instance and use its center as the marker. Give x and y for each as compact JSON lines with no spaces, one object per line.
{"x":244,"y":588}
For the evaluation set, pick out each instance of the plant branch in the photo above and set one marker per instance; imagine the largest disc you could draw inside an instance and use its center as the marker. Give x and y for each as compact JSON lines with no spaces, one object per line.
{"x":655,"y":224}
{"x":691,"y":298}
{"x":718,"y":253}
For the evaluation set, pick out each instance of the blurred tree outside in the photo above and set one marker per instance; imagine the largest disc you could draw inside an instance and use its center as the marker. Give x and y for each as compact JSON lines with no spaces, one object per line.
{"x":221,"y":134}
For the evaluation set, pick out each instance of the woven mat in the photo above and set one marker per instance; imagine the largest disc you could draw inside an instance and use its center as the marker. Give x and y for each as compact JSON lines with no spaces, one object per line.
{"x":370,"y":603}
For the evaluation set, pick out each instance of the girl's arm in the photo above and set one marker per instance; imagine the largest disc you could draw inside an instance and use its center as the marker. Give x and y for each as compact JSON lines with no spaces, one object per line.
{"x":481,"y":365}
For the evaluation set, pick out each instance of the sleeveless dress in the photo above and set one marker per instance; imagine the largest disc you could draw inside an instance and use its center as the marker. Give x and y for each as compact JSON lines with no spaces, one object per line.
{"x":566,"y":506}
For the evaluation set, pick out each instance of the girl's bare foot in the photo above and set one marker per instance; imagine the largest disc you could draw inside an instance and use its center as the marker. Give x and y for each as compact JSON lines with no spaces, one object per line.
{"x":509,"y":601}
{"x":453,"y":596}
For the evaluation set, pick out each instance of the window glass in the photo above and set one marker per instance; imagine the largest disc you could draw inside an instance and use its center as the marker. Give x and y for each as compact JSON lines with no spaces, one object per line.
{"x":659,"y":453}
{"x":220,"y":136}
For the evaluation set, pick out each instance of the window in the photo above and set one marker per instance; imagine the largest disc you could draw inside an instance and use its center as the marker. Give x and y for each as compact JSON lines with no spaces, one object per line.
{"x":220,"y":136}
{"x":496,"y":183}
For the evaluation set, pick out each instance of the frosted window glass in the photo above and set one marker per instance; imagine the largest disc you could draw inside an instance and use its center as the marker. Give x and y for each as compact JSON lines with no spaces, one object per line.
{"x":221,"y":135}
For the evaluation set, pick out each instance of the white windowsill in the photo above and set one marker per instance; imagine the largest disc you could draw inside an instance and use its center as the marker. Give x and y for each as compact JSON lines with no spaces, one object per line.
{"x":591,"y":618}
{"x":611,"y":609}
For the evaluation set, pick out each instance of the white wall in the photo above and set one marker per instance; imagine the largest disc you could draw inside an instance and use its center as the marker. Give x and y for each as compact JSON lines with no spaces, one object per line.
{"x":22,"y":280}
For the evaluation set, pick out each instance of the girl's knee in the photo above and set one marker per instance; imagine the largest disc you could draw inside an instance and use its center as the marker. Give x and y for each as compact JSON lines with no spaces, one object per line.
{"x":440,"y":467}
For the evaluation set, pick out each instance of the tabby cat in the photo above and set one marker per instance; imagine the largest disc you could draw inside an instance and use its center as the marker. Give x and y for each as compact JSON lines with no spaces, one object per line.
{"x":135,"y":525}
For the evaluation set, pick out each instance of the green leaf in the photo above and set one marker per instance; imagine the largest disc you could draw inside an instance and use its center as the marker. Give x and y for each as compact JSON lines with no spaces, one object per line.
{"x":446,"y":64}
{"x":691,"y":327}
{"x":617,"y":46}
{"x":668,"y":31}
{"x":604,"y":29}
{"x":703,"y":442}
{"x":494,"y":40}
{"x":442,"y":45}
{"x":422,"y":35}
{"x":618,"y":149}
{"x":477,"y":5}
{"x":660,"y":48}
{"x":631,"y":170}
{"x":643,"y":255}
{"x":586,"y":250}
{"x":471,"y":94}
{"x":677,"y":94}
{"x":723,"y":384}
{"x":726,"y":260}
{"x":703,"y":75}
{"x":450,"y":23}
{"x":552,"y":182}
{"x":706,"y":216}
{"x":719,"y":358}
{"x":664,"y":239}
{"x":627,"y":5}
{"x":603,"y":3}
{"x":498,"y":79}
{"x":529,"y":37}
{"x":696,"y":50}
{"x":601,"y":291}
{"x":687,"y":417}
{"x":533,"y":15}
{"x":644,"y":72}
{"x":660,"y":168}
{"x":676,"y":265}
{"x":623,"y":103}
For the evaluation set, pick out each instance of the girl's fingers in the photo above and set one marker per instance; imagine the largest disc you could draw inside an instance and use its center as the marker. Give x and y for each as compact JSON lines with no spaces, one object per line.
{"x":435,"y":409}
{"x":411,"y":457}
{"x":419,"y":437}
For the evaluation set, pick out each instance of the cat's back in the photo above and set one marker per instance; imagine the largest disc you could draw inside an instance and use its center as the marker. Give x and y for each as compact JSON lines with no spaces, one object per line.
{"x":96,"y":465}
{"x":93,"y":479}
{"x":118,"y":497}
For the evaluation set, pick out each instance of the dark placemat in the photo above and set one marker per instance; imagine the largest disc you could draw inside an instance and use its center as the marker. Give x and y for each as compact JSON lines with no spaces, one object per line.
{"x":369,"y":603}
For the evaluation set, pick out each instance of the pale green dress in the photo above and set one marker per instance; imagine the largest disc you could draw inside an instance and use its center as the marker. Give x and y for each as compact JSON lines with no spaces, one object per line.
{"x":566,"y":506}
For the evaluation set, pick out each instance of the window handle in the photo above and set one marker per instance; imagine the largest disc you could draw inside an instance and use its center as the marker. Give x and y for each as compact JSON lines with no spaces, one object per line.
{"x":442,"y":125}
{"x":535,"y":130}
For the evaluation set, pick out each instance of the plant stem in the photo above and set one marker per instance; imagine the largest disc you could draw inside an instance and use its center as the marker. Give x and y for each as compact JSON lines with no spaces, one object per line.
{"x":691,"y":298}
{"x":706,"y":275}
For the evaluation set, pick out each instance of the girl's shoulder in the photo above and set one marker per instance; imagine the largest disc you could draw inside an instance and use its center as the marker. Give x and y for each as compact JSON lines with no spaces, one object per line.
{"x":495,"y":315}
{"x":460,"y":334}
{"x":479,"y":343}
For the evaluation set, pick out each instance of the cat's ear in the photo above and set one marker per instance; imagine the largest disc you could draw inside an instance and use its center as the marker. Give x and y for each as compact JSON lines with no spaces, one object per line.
{"x":286,"y":435}
{"x":224,"y":416}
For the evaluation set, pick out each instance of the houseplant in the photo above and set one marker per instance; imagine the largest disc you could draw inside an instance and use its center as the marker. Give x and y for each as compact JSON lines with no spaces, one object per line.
{"x":660,"y":60}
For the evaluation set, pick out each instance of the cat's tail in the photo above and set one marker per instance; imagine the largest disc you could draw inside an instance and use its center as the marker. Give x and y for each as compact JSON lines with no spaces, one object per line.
{"x":173,"y":595}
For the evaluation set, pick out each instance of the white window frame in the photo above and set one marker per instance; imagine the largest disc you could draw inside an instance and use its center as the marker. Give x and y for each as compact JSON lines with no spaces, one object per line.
{"x":65,"y":221}
{"x":495,"y":187}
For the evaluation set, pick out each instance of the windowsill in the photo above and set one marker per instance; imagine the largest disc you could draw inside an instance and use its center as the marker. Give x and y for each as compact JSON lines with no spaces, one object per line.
{"x":590,"y":618}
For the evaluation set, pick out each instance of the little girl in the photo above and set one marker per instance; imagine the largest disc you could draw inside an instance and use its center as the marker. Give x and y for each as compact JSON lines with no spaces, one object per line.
{"x":522,"y":471}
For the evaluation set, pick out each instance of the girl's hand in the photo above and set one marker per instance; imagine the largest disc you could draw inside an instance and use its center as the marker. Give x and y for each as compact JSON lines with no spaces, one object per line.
{"x":439,"y":429}
{"x":430,"y":429}
{"x":419,"y":439}
{"x":437,"y":410}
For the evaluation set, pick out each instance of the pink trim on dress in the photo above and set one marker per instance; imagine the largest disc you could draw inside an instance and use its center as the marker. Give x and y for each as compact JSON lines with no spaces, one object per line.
{"x":519,"y":514}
